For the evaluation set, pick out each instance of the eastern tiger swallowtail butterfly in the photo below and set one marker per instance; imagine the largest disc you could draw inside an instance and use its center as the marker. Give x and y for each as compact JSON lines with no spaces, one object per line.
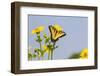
{"x":55,"y":34}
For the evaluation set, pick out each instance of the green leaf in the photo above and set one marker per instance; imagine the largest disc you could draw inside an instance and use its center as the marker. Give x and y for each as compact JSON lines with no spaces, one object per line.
{"x":29,"y":56}
{"x":46,"y":41}
{"x":75,"y":56}
{"x":40,"y":40}
{"x":37,"y":50}
{"x":38,"y":36}
{"x":42,"y":53}
{"x":47,"y":38}
{"x":34,"y":55}
{"x":45,"y":35}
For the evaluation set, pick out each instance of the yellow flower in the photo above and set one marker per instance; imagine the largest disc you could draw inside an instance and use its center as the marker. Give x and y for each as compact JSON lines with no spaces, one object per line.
{"x":58,"y":27}
{"x":46,"y":48}
{"x":84,"y":54}
{"x":38,"y":29}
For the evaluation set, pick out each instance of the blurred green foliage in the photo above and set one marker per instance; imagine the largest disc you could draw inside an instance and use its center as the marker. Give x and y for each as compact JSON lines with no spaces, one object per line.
{"x":75,"y":56}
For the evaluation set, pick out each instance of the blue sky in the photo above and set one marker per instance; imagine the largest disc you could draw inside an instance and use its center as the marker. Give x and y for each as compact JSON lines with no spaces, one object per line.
{"x":76,"y":29}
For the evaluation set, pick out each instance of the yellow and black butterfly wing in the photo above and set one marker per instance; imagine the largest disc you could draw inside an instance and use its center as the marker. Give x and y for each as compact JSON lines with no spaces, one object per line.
{"x":52,"y":32}
{"x":59,"y":34}
{"x":55,"y":35}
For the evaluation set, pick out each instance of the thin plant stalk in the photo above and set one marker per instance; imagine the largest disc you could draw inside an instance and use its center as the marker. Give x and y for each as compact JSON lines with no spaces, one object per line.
{"x":38,"y":34}
{"x":40,"y":47}
{"x":48,"y":52}
{"x":49,"y":55}
{"x":52,"y":50}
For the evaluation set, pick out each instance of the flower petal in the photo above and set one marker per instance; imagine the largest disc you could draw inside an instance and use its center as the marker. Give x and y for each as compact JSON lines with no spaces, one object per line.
{"x":84,"y":53}
{"x":58,"y":27}
{"x":38,"y":29}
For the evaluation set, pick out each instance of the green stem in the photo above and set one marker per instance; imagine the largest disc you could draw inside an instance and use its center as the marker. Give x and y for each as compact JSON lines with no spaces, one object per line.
{"x":52,"y":50}
{"x":49,"y":54}
{"x":40,"y":46}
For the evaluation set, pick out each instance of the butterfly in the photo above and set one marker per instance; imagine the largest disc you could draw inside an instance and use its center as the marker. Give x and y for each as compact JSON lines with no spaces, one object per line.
{"x":56,"y":34}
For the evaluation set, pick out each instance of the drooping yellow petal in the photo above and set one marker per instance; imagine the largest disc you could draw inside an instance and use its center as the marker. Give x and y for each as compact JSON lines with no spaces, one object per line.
{"x":38,"y":29}
{"x":84,"y":54}
{"x":58,"y":27}
{"x":46,"y":48}
{"x":34,"y":31}
{"x":41,"y":28}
